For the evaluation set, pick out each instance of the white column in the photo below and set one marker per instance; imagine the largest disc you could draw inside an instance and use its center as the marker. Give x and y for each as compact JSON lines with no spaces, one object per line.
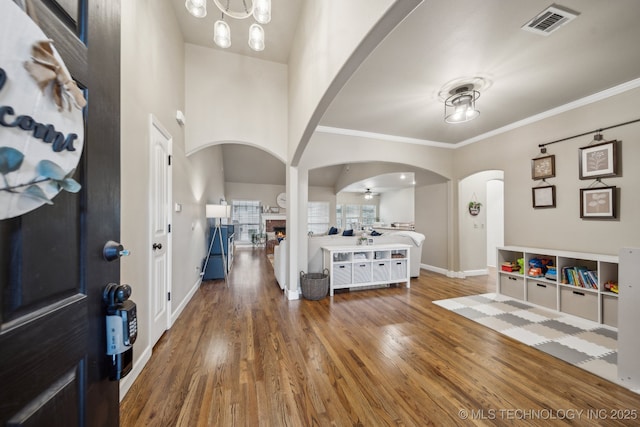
{"x":294,"y":239}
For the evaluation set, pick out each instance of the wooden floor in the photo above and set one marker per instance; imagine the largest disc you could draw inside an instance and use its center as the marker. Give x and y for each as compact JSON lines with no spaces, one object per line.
{"x":247,"y":356}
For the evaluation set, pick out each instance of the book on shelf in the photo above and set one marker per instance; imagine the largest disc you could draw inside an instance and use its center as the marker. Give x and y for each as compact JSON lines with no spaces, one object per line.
{"x":580,"y":276}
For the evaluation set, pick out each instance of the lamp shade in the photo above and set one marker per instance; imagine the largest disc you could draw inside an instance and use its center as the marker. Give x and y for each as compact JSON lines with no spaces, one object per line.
{"x":217,"y":211}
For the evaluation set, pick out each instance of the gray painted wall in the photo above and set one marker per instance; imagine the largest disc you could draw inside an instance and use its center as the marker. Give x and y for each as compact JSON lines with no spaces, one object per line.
{"x":561,"y":227}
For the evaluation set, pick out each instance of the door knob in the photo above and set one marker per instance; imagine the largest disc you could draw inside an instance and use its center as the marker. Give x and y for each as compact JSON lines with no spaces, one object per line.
{"x":157,"y":246}
{"x":113,"y":250}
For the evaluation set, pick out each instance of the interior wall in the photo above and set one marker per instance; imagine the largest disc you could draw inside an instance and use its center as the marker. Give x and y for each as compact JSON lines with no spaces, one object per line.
{"x":431,"y":219}
{"x":333,"y":37}
{"x":561,"y":227}
{"x":246,"y":102}
{"x":397,"y":206}
{"x":152,"y":45}
{"x":327,"y":149}
{"x":266,"y":193}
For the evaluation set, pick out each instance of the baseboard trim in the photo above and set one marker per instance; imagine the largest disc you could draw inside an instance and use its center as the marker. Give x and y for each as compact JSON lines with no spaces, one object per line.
{"x":443,"y":271}
{"x":127,"y":382}
{"x":140,"y":363}
{"x":178,"y":311}
{"x":293,"y":294}
{"x":482,"y":272}
{"x":435,"y":269}
{"x":449,"y":273}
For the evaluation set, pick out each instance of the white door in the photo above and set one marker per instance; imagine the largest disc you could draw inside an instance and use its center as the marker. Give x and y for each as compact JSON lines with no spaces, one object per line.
{"x":160,"y":223}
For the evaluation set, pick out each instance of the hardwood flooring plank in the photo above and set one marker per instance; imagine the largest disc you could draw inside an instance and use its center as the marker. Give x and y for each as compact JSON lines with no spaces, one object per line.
{"x":245,"y":356}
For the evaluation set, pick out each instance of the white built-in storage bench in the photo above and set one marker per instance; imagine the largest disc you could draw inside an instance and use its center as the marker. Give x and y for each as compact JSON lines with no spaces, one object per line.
{"x":366,"y":265}
{"x":587,"y":298}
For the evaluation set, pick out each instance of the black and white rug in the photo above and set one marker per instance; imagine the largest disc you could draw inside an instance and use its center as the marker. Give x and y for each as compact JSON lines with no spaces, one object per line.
{"x":583,"y":343}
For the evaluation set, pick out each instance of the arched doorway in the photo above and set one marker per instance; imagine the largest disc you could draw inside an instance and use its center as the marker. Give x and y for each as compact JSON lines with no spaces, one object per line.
{"x":480,"y":231}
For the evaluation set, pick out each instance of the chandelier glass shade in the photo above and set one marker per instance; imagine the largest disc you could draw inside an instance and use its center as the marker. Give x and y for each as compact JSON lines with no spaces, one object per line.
{"x":222,"y":34}
{"x":460,"y":107}
{"x":237,"y":9}
{"x":197,"y":8}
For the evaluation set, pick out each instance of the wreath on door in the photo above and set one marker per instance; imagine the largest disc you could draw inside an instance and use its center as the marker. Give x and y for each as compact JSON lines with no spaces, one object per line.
{"x":41,"y":120}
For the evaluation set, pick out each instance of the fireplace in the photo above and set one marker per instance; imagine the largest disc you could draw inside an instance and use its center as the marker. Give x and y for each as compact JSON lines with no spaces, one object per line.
{"x":276,"y":224}
{"x":281,"y":232}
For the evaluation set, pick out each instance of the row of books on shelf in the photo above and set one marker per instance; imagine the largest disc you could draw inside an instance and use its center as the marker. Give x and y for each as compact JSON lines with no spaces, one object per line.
{"x":580,"y":276}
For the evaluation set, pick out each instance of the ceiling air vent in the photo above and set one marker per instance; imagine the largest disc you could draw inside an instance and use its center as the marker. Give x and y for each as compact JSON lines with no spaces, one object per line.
{"x":549,"y":20}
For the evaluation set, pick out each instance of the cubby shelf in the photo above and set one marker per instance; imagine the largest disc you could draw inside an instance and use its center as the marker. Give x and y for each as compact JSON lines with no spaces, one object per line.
{"x":599,"y":305}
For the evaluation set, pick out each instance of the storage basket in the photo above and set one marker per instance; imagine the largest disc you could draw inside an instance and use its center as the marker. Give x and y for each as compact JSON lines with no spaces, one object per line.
{"x":314,"y":285}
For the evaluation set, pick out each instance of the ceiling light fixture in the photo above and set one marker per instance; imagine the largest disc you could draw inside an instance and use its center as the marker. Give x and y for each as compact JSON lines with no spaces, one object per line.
{"x":368,"y":195}
{"x":460,"y":106}
{"x":237,"y":9}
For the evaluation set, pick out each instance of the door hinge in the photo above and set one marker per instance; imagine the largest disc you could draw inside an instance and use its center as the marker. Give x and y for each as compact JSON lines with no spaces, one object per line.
{"x":168,"y":228}
{"x":168,"y":296}
{"x":169,"y":157}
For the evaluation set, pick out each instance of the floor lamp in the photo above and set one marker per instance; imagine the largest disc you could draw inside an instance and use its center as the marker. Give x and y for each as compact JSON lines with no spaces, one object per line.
{"x":217,"y":212}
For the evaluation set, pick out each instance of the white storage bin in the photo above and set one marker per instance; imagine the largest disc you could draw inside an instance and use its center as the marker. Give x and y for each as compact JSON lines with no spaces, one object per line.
{"x":381,"y":271}
{"x":341,"y":274}
{"x":399,"y":269}
{"x":361,"y":272}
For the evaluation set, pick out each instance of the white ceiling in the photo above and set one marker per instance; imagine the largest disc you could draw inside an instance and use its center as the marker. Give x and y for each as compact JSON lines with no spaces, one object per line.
{"x":383,"y":183}
{"x":395,"y":91}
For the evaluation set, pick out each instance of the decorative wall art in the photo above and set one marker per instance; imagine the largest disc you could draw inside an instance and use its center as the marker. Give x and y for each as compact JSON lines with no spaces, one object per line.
{"x":598,"y":203}
{"x":543,"y":167}
{"x":41,"y":121}
{"x":599,"y":160}
{"x":474,"y":208}
{"x":544,"y":197}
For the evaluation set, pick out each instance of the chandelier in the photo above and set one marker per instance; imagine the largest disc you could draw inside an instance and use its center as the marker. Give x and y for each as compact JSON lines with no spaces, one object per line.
{"x":237,"y":9}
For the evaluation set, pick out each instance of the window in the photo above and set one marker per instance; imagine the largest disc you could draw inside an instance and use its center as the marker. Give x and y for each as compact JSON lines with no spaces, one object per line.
{"x":368,"y":216}
{"x":318,"y":217}
{"x":245,"y":214}
{"x":352,"y":216}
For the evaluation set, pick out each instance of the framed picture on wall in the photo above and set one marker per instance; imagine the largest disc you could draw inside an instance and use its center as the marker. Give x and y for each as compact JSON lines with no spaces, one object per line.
{"x":544,"y":197}
{"x":599,"y":160}
{"x":598,"y":202}
{"x":543,"y":167}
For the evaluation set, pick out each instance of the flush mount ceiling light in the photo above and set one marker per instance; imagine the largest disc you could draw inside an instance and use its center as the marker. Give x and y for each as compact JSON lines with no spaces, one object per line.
{"x":460,"y":106}
{"x":237,"y":9}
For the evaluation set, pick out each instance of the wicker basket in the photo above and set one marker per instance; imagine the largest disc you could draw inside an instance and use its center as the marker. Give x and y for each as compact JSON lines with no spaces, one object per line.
{"x":314,"y":285}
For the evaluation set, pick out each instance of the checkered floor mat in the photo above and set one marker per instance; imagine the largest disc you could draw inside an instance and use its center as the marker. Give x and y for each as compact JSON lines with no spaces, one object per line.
{"x":583,"y":343}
